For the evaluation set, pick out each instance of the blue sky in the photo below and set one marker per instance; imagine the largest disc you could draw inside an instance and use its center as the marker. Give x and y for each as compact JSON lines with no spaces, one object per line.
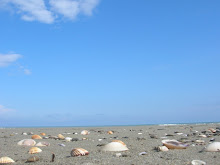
{"x":98,"y":62}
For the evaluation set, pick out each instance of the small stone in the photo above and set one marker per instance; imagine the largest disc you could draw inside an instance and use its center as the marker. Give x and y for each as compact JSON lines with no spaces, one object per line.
{"x":118,"y":154}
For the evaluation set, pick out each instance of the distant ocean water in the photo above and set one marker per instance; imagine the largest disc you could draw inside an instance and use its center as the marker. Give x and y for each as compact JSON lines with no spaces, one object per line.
{"x":164,"y":124}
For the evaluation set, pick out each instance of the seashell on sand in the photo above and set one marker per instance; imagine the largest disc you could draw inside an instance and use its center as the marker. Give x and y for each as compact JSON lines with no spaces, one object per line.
{"x":79,"y":152}
{"x":68,"y":139}
{"x":27,"y":142}
{"x":162,"y":148}
{"x":34,"y":150}
{"x":43,"y":134}
{"x":6,"y":160}
{"x":84,"y":132}
{"x":198,"y":162}
{"x":110,"y":132}
{"x":202,"y":135}
{"x":61,"y":137}
{"x":43,"y":144}
{"x":36,"y":137}
{"x":213,"y":147}
{"x":174,"y":144}
{"x":115,"y":146}
{"x":212,"y":130}
{"x":33,"y":159}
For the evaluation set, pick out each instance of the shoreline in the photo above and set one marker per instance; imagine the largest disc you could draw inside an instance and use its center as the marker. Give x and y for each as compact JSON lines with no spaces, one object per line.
{"x":95,"y":126}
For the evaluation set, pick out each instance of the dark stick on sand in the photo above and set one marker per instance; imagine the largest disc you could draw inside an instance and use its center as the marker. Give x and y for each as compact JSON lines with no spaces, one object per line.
{"x":53,"y":157}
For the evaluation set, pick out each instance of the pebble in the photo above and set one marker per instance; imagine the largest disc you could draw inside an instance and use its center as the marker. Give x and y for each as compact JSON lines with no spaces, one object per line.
{"x":143,"y":153}
{"x":118,"y":154}
{"x":62,"y":145}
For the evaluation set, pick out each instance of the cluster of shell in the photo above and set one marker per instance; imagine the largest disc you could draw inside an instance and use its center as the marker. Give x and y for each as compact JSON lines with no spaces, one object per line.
{"x":115,"y":145}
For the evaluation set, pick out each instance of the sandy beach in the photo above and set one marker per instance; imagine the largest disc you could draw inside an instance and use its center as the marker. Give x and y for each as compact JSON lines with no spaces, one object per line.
{"x":138,"y":139}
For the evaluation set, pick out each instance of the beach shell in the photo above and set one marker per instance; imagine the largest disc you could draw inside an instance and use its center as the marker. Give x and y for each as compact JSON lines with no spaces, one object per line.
{"x":212,"y":130}
{"x":198,"y":162}
{"x":36,"y":137}
{"x":6,"y":160}
{"x":43,"y":134}
{"x":115,"y":146}
{"x":84,"y":132}
{"x":202,"y":135}
{"x":79,"y":152}
{"x":33,"y":159}
{"x":162,"y":148}
{"x":68,"y":139}
{"x":174,"y":144}
{"x":34,"y":150}
{"x":43,"y":144}
{"x":27,"y":142}
{"x":213,"y":147}
{"x":110,"y":132}
{"x":61,"y":137}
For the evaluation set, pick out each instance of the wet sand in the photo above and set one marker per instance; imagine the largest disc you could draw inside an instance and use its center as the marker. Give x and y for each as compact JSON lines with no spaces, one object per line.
{"x":137,"y":138}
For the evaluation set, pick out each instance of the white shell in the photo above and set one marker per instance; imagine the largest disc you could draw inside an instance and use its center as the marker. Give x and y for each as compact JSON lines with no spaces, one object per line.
{"x":84,"y":132}
{"x":115,"y":146}
{"x":68,"y":139}
{"x":6,"y":160}
{"x":213,"y":147}
{"x":27,"y":142}
{"x":174,"y":144}
{"x":163,"y":148}
{"x":198,"y":162}
{"x":43,"y":144}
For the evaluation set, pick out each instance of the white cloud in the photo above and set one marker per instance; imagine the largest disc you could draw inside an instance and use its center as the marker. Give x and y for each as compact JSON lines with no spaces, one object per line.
{"x":87,"y":6}
{"x":36,"y":10}
{"x":3,"y":109}
{"x":7,"y":59}
{"x":31,"y":10}
{"x":67,"y":8}
{"x":27,"y":71}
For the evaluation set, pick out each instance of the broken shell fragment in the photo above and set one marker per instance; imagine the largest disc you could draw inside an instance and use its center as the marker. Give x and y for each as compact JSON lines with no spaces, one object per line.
{"x":33,"y":159}
{"x":27,"y":142}
{"x":34,"y":150}
{"x":6,"y":160}
{"x":43,"y":134}
{"x":115,"y":146}
{"x":61,"y":137}
{"x":213,"y":147}
{"x":68,"y":139}
{"x":110,"y":132}
{"x":79,"y":152}
{"x":198,"y":162}
{"x":43,"y":144}
{"x":84,"y":132}
{"x":36,"y":137}
{"x":174,"y":144}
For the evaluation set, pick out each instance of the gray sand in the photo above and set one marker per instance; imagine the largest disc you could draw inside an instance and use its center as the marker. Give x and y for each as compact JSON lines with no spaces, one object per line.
{"x":136,"y":143}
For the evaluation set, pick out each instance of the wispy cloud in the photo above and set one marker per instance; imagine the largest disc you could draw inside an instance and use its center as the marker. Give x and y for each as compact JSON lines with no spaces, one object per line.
{"x":3,"y":109}
{"x":25,"y":70}
{"x":7,"y":59}
{"x":37,"y":10}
